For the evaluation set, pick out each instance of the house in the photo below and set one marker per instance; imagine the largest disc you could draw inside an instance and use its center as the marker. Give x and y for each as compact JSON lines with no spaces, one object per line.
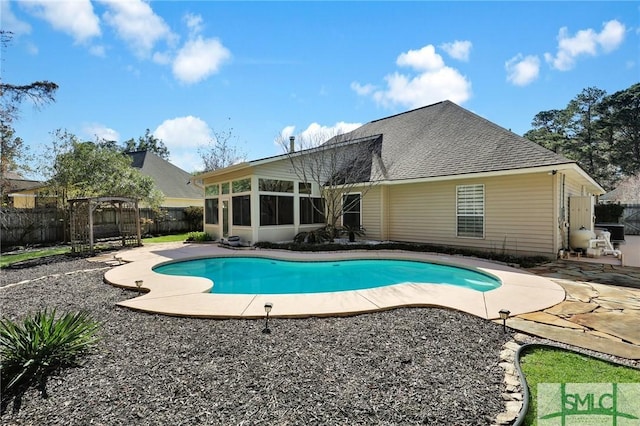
{"x":439,"y":174}
{"x":23,"y":193}
{"x":175,"y":183}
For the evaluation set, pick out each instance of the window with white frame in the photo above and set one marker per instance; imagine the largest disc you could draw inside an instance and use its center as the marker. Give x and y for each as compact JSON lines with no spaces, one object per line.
{"x":211,"y":193}
{"x":470,"y":211}
{"x":351,"y":211}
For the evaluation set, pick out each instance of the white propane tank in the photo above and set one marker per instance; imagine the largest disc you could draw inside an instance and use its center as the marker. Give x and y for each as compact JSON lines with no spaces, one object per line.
{"x":579,"y":239}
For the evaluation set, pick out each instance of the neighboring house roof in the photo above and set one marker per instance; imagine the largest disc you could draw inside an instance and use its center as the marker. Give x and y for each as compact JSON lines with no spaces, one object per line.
{"x":14,"y":182}
{"x":17,"y":185}
{"x":442,"y":140}
{"x":170,"y":179}
{"x":626,"y":192}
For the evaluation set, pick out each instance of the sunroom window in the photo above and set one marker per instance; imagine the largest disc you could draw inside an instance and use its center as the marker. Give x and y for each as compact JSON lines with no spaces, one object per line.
{"x":311,"y":210}
{"x":276,"y":210}
{"x":211,"y":211}
{"x":241,"y":205}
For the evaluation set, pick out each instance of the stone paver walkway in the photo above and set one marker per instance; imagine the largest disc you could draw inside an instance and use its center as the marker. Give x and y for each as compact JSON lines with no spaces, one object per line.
{"x":601,"y":310}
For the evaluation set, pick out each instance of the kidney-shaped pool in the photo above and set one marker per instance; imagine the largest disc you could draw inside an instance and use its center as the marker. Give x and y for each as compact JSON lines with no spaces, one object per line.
{"x":252,"y":275}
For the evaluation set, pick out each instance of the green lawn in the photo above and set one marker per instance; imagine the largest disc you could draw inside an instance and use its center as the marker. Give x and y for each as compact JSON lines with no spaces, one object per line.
{"x":166,"y":239}
{"x":8,"y":259}
{"x":541,"y":365}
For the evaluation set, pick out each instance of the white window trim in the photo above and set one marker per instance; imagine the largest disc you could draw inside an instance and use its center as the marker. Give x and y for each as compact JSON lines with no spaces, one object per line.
{"x":361,"y":199}
{"x":484,"y":222}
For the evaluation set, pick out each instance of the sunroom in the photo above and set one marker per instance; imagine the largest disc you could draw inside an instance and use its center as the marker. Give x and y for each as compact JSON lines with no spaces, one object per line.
{"x":258,"y":203}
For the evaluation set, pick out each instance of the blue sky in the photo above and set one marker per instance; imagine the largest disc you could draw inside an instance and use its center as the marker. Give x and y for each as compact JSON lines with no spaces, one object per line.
{"x":189,"y":69}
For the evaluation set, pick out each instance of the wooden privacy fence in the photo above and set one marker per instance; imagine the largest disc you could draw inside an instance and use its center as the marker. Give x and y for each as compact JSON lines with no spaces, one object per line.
{"x":631,"y":219}
{"x":21,"y":227}
{"x":32,"y":226}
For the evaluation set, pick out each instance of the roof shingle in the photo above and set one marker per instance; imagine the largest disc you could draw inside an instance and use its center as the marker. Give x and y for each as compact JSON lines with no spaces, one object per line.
{"x":445,"y":139}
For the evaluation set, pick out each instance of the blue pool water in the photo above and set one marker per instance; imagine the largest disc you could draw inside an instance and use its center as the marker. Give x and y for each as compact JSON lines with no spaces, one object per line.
{"x":250,"y":275}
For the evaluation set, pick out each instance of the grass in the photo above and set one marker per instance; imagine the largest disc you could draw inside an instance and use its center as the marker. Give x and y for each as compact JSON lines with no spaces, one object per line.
{"x":542,"y":365}
{"x":166,"y":238}
{"x":9,"y":259}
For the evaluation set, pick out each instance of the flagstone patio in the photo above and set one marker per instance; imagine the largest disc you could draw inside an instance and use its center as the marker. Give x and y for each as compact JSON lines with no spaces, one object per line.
{"x":601,"y":310}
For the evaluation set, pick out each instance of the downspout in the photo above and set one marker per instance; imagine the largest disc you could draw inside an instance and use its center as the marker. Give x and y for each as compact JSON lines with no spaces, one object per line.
{"x":563,"y":214}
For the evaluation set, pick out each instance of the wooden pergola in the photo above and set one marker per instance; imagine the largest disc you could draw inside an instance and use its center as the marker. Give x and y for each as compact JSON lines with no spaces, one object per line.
{"x":119,"y":222}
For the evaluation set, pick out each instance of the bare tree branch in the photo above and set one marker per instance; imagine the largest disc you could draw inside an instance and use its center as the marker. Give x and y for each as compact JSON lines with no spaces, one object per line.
{"x":345,"y":164}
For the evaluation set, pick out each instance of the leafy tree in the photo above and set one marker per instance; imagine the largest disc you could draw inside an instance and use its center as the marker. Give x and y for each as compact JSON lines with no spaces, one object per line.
{"x":599,"y":132}
{"x":220,"y":152}
{"x":589,"y":144}
{"x":550,"y":130}
{"x":85,"y":169}
{"x":13,"y":152}
{"x":621,"y":121}
{"x":148,"y":142}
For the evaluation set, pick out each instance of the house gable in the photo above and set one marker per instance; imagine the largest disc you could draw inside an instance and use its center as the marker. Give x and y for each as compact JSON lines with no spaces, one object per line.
{"x":168,"y":178}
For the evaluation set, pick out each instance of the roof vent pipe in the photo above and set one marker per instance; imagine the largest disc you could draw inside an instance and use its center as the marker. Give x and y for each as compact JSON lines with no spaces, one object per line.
{"x":292,"y":143}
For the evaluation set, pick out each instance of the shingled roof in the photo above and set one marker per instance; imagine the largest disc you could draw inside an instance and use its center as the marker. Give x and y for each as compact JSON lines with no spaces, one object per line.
{"x":445,"y":139}
{"x":168,"y":178}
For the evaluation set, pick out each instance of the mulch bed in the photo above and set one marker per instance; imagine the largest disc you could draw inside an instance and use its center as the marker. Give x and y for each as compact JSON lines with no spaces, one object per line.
{"x":404,"y":366}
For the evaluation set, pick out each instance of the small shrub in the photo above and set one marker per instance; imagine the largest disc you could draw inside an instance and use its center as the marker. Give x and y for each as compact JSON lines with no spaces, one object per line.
{"x":194,"y":216}
{"x":199,"y":237}
{"x":39,"y":347}
{"x":316,"y":236}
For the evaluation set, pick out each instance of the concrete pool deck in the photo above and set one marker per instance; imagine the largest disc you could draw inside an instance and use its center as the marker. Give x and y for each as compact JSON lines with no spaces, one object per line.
{"x":520,"y":293}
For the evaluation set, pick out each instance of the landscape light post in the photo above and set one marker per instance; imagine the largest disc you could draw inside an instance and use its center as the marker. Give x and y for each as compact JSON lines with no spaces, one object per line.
{"x":139,"y":285}
{"x":267,"y":308}
{"x":504,"y":314}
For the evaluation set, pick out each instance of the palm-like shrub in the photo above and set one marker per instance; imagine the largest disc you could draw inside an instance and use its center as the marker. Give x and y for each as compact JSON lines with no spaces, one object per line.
{"x":40,"y":346}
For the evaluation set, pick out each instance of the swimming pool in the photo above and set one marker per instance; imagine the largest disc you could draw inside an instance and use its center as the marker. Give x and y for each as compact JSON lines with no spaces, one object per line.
{"x":253,"y":275}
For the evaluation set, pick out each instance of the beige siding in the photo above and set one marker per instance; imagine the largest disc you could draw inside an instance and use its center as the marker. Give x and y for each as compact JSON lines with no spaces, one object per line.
{"x":371,"y":213}
{"x":518,"y":214}
{"x":281,"y":169}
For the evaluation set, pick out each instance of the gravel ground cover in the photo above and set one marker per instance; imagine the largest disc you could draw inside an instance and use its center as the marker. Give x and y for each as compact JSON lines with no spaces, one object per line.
{"x":404,"y":366}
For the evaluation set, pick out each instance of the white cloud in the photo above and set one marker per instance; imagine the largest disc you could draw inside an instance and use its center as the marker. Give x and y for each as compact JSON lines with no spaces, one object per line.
{"x":75,"y":18}
{"x":194,"y":23}
{"x":362,"y":89}
{"x":10,"y":22}
{"x":314,"y":135}
{"x":522,"y":70}
{"x":135,"y":22}
{"x":585,"y":43}
{"x":187,"y":160}
{"x":433,"y":82}
{"x":198,"y":59}
{"x":425,"y":59}
{"x":100,"y":131}
{"x":459,"y":50}
{"x":183,"y":132}
{"x":611,"y":36}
